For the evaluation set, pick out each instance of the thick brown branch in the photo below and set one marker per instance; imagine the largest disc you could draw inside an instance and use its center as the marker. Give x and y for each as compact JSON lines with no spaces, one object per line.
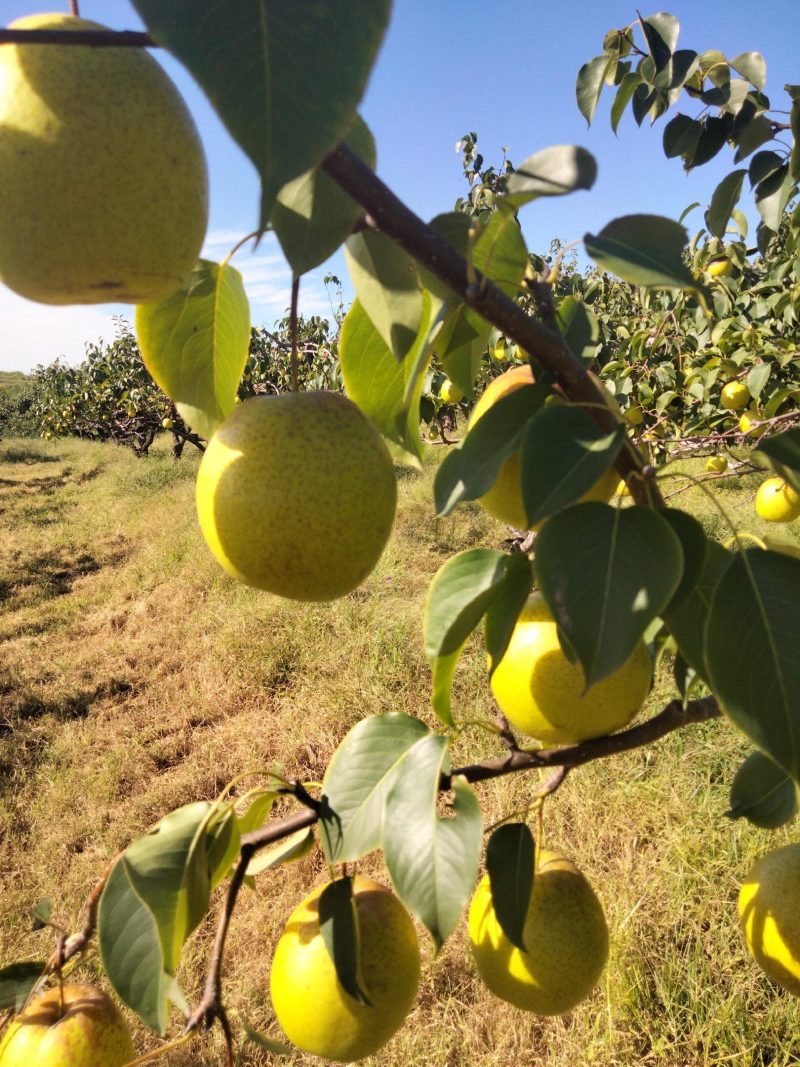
{"x":92,"y":38}
{"x":390,"y":215}
{"x":673,"y":717}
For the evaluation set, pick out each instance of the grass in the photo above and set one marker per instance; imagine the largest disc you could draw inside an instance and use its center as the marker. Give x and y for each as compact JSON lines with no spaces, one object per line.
{"x":136,"y":677}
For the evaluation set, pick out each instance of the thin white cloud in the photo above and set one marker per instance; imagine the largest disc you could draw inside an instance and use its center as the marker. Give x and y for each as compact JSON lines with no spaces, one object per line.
{"x":37,"y":333}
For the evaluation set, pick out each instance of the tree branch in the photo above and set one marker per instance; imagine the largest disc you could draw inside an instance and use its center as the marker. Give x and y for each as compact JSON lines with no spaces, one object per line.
{"x":90,"y":38}
{"x":673,"y":717}
{"x":389,"y":215}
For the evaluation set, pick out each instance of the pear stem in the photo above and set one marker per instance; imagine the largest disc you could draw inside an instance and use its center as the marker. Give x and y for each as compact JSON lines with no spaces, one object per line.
{"x":293,"y":329}
{"x":73,"y":8}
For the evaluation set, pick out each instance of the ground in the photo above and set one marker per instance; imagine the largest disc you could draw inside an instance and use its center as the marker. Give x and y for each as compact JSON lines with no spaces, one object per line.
{"x":135,"y":676}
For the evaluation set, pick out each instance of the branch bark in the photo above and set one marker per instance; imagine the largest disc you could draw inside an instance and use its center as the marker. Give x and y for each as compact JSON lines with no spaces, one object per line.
{"x":90,"y":38}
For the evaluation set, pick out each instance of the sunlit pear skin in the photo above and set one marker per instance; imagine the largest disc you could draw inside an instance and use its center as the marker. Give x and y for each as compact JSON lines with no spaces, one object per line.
{"x":716,"y":464}
{"x":450,"y":393}
{"x":314,"y":1010}
{"x":504,"y":500}
{"x":720,"y":268}
{"x":565,"y":934}
{"x":776,"y":501}
{"x":542,"y":694}
{"x":89,"y":1032}
{"x":103,"y":186}
{"x":747,"y":424}
{"x":734,"y":396}
{"x":296,"y":495}
{"x":769,"y":912}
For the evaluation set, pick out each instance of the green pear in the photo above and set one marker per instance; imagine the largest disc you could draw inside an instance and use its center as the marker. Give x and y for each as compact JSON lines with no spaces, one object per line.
{"x":103,"y":186}
{"x":296,"y":495}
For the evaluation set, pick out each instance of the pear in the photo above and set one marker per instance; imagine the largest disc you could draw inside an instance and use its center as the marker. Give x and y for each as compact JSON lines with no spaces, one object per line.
{"x":103,"y":186}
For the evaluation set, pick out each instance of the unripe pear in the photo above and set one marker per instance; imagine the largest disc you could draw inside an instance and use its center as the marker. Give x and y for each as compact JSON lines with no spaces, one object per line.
{"x":103,"y":189}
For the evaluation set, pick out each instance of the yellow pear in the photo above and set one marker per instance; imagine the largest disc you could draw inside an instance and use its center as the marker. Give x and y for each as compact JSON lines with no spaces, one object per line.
{"x":504,"y":500}
{"x":316,"y":1012}
{"x":777,"y":501}
{"x":296,"y":495}
{"x":542,"y":694}
{"x":103,"y":189}
{"x":565,"y":935}
{"x":78,"y":1026}
{"x":769,"y":911}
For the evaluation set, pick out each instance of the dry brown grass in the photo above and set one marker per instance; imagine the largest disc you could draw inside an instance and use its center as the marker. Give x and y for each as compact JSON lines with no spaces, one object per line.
{"x":136,"y":677}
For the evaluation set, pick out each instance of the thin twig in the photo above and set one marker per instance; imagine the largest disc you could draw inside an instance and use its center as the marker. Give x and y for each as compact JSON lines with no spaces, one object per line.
{"x":76,"y":944}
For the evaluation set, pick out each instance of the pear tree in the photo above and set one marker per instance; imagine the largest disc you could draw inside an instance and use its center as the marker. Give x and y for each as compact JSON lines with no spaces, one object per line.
{"x":445,"y":290}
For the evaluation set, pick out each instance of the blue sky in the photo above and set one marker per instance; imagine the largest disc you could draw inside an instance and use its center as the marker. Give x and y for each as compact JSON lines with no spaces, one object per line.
{"x":505,"y":70}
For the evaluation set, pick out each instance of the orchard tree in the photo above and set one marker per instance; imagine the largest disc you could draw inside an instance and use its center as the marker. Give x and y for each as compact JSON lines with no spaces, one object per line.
{"x":569,"y":666}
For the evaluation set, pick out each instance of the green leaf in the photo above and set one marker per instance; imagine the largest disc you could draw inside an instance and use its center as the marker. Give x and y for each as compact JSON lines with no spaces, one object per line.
{"x":41,"y":913}
{"x":552,"y":172}
{"x":388,"y":288}
{"x":753,"y":654}
{"x":17,"y":981}
{"x":644,"y":250}
{"x":773,"y":194}
{"x":503,"y":612}
{"x":687,"y":621}
{"x":338,"y":925}
{"x":277,"y":1048}
{"x":694,"y":545}
{"x":285,"y":79}
{"x":604,"y":609}
{"x":589,"y":86}
{"x":563,"y":455}
{"x":433,"y":862}
{"x":195,"y":344}
{"x":291,"y":848}
{"x":763,"y":164}
{"x":509,"y":863}
{"x":751,"y":65}
{"x":461,"y":232}
{"x":794,"y":125}
{"x":387,"y":392}
{"x":715,"y":134}
{"x":627,"y":87}
{"x":661,"y":33}
{"x":751,"y":135}
{"x":757,"y":378}
{"x":762,"y":793}
{"x":458,"y":597}
{"x":681,"y":135}
{"x":783,"y":452}
{"x":723,"y":201}
{"x":470,"y":470}
{"x":257,"y":813}
{"x":681,"y":67}
{"x":359,"y":776}
{"x":170,"y":869}
{"x":131,"y":952}
{"x":579,"y":327}
{"x":498,"y":251}
{"x":313,"y":215}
